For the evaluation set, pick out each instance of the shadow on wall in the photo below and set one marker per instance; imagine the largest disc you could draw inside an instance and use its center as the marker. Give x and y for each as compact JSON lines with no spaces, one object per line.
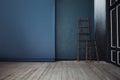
{"x":67,"y":15}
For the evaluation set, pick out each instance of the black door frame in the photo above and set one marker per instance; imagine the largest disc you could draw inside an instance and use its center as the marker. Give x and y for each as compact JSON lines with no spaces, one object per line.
{"x":113,"y":52}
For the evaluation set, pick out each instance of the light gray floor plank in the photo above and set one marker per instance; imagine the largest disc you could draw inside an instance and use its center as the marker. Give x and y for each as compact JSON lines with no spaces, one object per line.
{"x":60,"y":70}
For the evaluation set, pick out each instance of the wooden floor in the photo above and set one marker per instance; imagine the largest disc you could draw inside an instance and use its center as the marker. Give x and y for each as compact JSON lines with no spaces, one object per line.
{"x":61,"y":70}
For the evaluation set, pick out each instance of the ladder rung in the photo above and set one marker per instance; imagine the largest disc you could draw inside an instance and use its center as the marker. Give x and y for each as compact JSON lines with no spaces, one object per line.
{"x":82,"y":48}
{"x":84,"y":40}
{"x":92,"y":51}
{"x":89,"y":58}
{"x":85,"y":33}
{"x":83,"y":27}
{"x":92,"y":45}
{"x":84,"y":20}
{"x":89,"y":47}
{"x":92,"y":41}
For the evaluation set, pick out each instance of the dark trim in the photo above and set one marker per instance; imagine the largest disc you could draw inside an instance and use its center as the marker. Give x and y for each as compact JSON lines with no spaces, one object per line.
{"x":55,"y":30}
{"x":107,"y":30}
{"x":114,"y":5}
{"x":28,"y":59}
{"x":55,"y":33}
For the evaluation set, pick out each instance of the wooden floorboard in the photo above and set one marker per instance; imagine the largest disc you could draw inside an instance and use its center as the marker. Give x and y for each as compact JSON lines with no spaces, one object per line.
{"x":60,"y":70}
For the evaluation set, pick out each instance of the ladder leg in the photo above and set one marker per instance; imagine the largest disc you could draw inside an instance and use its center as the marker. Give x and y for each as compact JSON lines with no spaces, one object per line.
{"x":78,"y":55}
{"x":86,"y":50}
{"x":97,"y":56}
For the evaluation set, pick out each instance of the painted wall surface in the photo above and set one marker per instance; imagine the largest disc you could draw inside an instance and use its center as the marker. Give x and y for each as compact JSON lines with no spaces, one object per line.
{"x":67,"y":15}
{"x":27,"y":31}
{"x":100,"y":27}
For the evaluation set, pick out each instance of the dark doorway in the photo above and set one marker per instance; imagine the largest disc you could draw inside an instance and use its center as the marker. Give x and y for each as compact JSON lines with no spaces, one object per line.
{"x":113,"y":15}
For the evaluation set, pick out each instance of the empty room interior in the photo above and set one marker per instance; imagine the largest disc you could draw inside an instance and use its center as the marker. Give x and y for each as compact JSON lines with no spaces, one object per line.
{"x":59,"y":39}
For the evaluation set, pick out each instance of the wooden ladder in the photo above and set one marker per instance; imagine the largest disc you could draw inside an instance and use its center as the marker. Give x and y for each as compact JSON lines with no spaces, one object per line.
{"x":88,"y":40}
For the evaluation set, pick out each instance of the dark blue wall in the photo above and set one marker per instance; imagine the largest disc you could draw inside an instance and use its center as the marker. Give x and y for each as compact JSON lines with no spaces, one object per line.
{"x":67,"y":15}
{"x":27,"y":30}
